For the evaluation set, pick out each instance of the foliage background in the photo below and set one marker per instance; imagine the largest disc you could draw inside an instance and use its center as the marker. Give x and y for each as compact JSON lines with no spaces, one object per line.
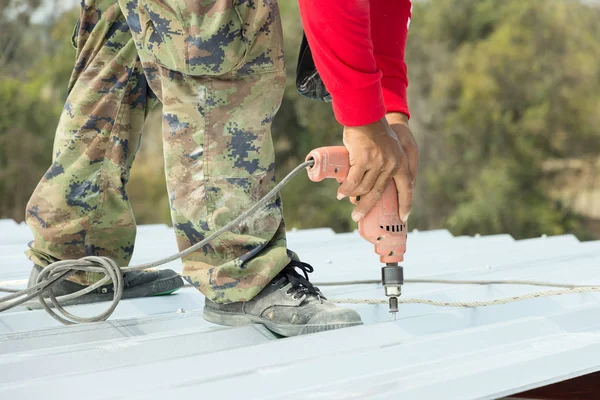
{"x":505,"y":102}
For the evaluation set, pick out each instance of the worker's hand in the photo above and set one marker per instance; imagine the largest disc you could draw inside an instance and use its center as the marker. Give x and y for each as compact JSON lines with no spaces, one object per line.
{"x":377,"y":155}
{"x":399,"y":124}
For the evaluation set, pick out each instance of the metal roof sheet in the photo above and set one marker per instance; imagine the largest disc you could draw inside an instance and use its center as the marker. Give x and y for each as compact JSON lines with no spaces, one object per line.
{"x":161,"y":347}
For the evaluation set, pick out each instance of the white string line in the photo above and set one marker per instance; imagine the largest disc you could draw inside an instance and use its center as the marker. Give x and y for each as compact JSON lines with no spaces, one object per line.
{"x":469,"y":304}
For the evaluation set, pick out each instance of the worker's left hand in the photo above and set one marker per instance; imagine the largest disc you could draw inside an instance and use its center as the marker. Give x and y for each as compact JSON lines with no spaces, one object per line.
{"x":399,"y":124}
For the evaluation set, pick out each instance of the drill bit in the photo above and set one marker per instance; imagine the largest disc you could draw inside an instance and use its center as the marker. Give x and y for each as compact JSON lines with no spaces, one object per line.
{"x":393,"y":306}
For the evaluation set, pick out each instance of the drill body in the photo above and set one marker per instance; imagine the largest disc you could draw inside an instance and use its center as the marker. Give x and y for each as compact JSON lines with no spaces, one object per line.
{"x":381,"y":226}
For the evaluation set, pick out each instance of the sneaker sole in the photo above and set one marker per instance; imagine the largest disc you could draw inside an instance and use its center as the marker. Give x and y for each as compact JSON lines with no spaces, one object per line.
{"x":156,"y":288}
{"x":234,"y":319}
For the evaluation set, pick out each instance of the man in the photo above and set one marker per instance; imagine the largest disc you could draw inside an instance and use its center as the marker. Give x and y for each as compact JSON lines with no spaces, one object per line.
{"x":217,"y":68}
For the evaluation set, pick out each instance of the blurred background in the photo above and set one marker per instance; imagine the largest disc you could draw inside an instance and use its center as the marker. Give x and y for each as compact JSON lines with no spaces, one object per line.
{"x":504,"y":96}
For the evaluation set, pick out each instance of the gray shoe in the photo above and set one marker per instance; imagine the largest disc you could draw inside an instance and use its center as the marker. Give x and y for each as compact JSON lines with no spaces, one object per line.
{"x":137,"y":284}
{"x":290,"y":305}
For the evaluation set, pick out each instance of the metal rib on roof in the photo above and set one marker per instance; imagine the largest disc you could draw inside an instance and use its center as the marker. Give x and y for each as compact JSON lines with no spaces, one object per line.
{"x":161,"y":347}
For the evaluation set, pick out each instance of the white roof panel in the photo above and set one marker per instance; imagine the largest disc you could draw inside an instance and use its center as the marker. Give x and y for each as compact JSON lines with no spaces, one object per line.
{"x":150,"y":349}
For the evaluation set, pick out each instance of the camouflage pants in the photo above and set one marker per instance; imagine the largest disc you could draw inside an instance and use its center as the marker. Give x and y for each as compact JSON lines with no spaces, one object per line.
{"x":217,"y":68}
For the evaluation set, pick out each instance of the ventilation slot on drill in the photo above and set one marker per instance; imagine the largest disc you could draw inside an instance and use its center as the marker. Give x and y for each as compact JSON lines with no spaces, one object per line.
{"x":393,"y":228}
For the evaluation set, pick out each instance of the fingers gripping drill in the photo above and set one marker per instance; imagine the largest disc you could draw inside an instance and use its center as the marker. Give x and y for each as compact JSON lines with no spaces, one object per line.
{"x":381,"y":226}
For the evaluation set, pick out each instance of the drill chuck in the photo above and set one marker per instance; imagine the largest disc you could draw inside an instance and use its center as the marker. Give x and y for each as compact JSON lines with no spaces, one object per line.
{"x":392,"y":278}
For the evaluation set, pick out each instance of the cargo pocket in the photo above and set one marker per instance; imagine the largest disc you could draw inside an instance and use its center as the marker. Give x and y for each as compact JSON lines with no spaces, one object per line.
{"x":263,"y":33}
{"x":209,"y":37}
{"x":191,"y":36}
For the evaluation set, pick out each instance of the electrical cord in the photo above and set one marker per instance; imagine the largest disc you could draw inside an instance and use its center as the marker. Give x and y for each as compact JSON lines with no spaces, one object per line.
{"x":54,"y":273}
{"x":463,"y":282}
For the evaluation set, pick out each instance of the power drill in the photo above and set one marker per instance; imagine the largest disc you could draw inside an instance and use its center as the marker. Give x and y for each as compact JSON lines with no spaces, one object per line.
{"x":381,"y":226}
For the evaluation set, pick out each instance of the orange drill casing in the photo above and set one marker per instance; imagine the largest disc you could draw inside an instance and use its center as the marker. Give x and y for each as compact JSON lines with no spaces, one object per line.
{"x":382,"y":225}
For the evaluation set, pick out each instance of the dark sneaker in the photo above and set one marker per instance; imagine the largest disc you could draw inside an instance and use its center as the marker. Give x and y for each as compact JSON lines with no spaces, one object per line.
{"x":290,"y":305}
{"x":141,"y":283}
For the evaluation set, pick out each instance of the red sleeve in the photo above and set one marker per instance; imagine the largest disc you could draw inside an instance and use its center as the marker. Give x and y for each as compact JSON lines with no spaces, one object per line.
{"x":339,"y":33}
{"x":389,"y":30}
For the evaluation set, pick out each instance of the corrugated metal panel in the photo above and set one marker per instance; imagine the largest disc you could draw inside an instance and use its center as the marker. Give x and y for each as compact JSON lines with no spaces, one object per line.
{"x":25,"y":320}
{"x":148,"y":350}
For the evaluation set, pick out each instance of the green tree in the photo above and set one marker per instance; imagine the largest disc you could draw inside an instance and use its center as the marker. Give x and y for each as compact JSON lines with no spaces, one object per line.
{"x":15,"y":17}
{"x":25,"y":143}
{"x":32,"y":90}
{"x":510,"y":86}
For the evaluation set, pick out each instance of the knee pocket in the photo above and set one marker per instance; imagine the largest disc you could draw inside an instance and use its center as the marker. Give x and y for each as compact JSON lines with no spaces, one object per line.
{"x":211,"y":37}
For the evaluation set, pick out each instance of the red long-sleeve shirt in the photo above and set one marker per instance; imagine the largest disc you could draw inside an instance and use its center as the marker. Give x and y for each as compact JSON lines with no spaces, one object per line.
{"x":358,"y":49}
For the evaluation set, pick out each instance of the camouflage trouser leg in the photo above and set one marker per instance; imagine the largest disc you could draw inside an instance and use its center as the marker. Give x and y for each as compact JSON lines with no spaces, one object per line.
{"x":80,"y":207}
{"x":218,"y":68}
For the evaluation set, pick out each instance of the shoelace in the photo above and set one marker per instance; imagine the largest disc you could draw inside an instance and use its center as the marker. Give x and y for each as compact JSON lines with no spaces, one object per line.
{"x":300,"y":284}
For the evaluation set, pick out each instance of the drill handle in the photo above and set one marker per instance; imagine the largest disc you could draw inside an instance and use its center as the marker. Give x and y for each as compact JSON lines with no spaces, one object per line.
{"x":382,"y":225}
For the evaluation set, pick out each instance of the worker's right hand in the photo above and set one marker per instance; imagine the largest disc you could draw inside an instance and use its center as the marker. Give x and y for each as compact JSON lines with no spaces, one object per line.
{"x":376,"y":157}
